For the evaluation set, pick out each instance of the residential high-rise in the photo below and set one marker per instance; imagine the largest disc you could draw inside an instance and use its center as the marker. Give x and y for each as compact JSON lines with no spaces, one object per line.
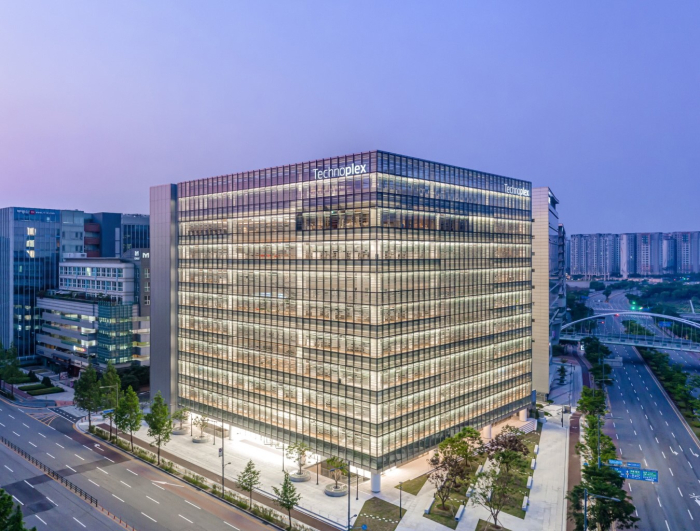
{"x":549,"y":285}
{"x":369,"y":305}
{"x":687,"y":251}
{"x":32,"y":242}
{"x":668,"y":254}
{"x":595,"y":255}
{"x":628,"y":255}
{"x":649,"y":249}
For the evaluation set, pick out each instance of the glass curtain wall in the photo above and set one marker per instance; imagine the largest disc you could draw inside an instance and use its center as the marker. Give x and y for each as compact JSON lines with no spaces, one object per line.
{"x":371,"y":313}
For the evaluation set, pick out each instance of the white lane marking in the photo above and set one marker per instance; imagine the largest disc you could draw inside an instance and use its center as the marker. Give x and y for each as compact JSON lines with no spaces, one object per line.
{"x":134,"y":473}
{"x":662,"y":453}
{"x":652,"y":427}
{"x":91,"y":481}
{"x":120,"y":481}
{"x":44,"y":436}
{"x":679,"y":491}
{"x":61,"y":446}
{"x":76,"y":455}
{"x":154,"y":501}
{"x":657,"y":440}
{"x":674,"y":435}
{"x":39,"y":518}
{"x":17,"y":500}
{"x":1,"y":424}
{"x":669,"y":529}
{"x":666,"y":423}
{"x":10,"y":416}
{"x":73,"y":469}
{"x":103,"y":471}
{"x":630,"y":486}
{"x":71,"y":438}
{"x":679,"y":446}
{"x":74,"y":518}
{"x":52,"y":457}
{"x":52,"y":501}
{"x":23,"y":424}
{"x":691,"y":466}
{"x":108,"y":459}
{"x":614,"y":425}
{"x":618,"y":437}
{"x":117,"y":497}
{"x":34,"y":445}
{"x":646,"y":417}
{"x":8,"y":468}
{"x":161,"y":488}
{"x":671,"y":471}
{"x":190,"y":521}
{"x":149,"y":517}
{"x":192,"y":504}
{"x":224,"y":521}
{"x":635,"y":433}
{"x":27,"y":482}
{"x":18,"y":435}
{"x":691,"y":516}
{"x":640,"y":448}
{"x":87,"y":447}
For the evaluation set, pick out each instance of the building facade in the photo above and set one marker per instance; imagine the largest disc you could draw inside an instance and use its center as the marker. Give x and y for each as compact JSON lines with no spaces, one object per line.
{"x":369,"y":305}
{"x":549,"y":285}
{"x":94,"y":316}
{"x":595,"y":255}
{"x":32,"y":243}
{"x":109,"y":234}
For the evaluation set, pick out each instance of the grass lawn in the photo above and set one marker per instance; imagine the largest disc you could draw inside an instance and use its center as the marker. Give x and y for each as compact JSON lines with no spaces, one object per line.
{"x":380,"y":509}
{"x":483,"y":525}
{"x":514,"y":506}
{"x":447,"y":517}
{"x":413,"y":486}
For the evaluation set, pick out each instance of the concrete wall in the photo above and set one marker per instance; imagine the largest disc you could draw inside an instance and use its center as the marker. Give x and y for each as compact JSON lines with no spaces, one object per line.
{"x":163,"y":255}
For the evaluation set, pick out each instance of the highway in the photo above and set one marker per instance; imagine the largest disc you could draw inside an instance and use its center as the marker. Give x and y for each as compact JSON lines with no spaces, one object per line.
{"x":646,"y":429}
{"x":144,"y":497}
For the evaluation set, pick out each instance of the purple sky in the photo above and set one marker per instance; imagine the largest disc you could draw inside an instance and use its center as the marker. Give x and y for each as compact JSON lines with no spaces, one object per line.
{"x":599,"y":100}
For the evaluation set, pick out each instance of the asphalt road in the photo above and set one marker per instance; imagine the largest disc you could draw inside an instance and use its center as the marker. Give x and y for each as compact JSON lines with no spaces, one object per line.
{"x":646,"y":429}
{"x":47,"y":505}
{"x":144,"y":497}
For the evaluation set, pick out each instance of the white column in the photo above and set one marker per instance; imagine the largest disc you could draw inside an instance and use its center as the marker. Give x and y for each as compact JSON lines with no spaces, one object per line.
{"x":376,"y":482}
{"x":523,"y":414}
{"x":486,"y":431}
{"x":230,"y":432}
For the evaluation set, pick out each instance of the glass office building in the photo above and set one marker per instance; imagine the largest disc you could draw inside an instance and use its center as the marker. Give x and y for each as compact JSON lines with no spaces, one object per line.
{"x":370,"y":304}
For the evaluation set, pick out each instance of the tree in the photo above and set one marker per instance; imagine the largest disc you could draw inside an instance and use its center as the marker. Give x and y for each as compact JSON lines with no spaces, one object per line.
{"x":510,"y":439}
{"x":602,"y":514}
{"x":88,"y":395}
{"x":468,"y":445}
{"x":181,"y":415}
{"x":10,"y":520}
{"x":297,"y":451}
{"x":202,"y":423}
{"x":510,"y":462}
{"x":337,"y":468}
{"x":249,"y":480}
{"x":449,"y":469}
{"x":9,"y":366}
{"x":110,"y":396}
{"x":128,"y":416}
{"x":287,"y":496}
{"x":592,"y":401}
{"x":46,"y":382}
{"x":492,"y":490}
{"x":160,"y":425}
{"x":562,"y":374}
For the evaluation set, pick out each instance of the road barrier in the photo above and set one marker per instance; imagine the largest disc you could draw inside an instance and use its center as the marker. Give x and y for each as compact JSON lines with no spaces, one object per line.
{"x":50,"y":472}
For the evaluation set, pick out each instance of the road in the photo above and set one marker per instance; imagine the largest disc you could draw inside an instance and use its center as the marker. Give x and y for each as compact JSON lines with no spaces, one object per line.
{"x":144,"y":497}
{"x":45,"y":503}
{"x":646,"y":429}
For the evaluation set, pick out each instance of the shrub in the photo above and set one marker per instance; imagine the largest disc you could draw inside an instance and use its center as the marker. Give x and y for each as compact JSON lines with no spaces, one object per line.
{"x":47,"y":391}
{"x":19,"y":380}
{"x":33,"y":377}
{"x":46,"y":381}
{"x":32,"y":387}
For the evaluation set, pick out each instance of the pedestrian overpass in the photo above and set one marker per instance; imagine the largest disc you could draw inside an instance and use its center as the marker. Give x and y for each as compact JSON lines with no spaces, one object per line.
{"x":639,"y":329}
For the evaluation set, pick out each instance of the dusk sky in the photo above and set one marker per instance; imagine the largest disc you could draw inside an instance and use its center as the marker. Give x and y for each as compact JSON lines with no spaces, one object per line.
{"x":599,"y":100}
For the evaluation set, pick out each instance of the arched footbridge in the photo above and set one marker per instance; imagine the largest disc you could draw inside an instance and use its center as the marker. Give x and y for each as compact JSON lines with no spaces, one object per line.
{"x":641,"y":329}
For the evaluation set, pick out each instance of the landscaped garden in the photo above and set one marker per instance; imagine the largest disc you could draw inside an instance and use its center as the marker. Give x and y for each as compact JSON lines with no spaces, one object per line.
{"x":379,"y":515}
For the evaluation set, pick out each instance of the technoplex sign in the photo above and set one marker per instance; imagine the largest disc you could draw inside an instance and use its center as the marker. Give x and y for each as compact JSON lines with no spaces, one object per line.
{"x":353,"y":169}
{"x":517,"y":191}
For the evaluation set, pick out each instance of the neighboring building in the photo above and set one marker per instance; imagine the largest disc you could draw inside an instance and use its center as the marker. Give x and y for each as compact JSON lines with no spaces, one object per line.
{"x":687,"y":251}
{"x":668,"y":254}
{"x":649,"y":248}
{"x":94,"y":316}
{"x":549,"y":285}
{"x":32,"y":242}
{"x":369,"y":305}
{"x":109,"y":234}
{"x":628,"y":255}
{"x":595,"y":255}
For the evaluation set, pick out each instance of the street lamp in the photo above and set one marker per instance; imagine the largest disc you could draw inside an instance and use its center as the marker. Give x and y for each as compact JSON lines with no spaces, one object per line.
{"x":585,"y":505}
{"x":223,"y":467}
{"x":400,"y":498}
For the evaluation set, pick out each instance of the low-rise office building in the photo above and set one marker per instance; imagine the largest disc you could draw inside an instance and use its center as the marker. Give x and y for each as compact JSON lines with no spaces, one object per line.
{"x":95,"y":316}
{"x":369,"y":305}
